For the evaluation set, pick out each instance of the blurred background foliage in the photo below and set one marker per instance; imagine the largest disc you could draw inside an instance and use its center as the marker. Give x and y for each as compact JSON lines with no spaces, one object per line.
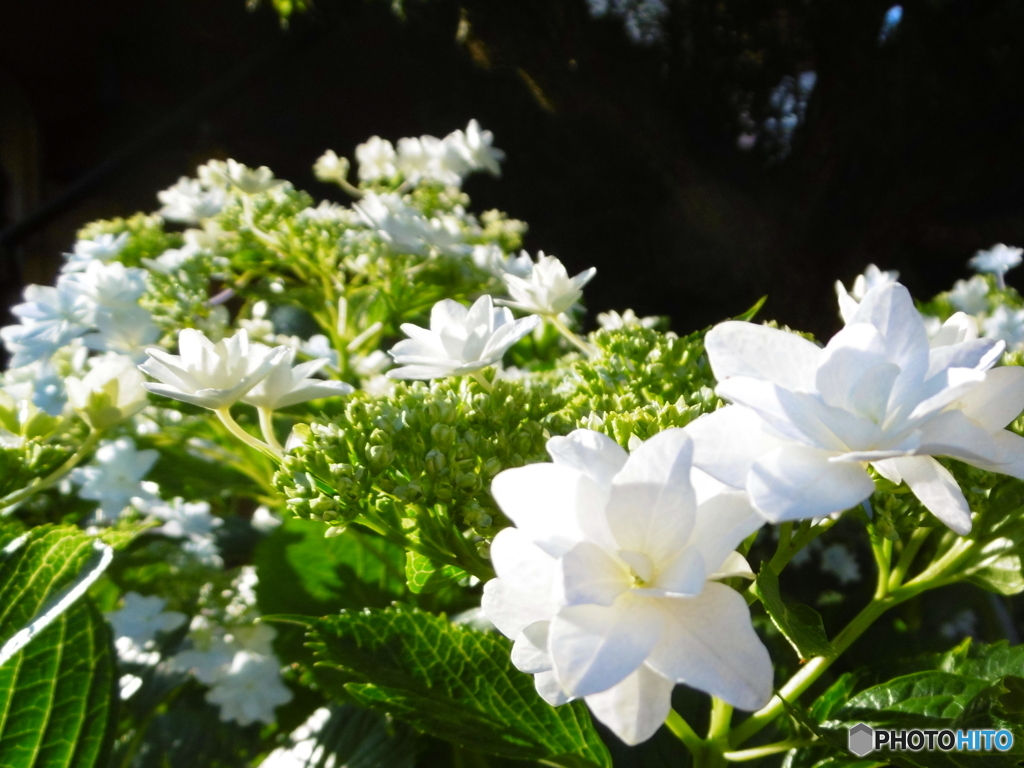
{"x":699,"y":153}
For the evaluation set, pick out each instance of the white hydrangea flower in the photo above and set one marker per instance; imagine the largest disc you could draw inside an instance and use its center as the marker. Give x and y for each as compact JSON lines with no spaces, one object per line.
{"x":286,"y":385}
{"x":376,"y":159}
{"x":250,"y":181}
{"x":613,"y":321}
{"x":1007,"y":325}
{"x":102,"y":248}
{"x":265,"y":521}
{"x":491,"y":258}
{"x":407,"y":230}
{"x":548,"y":290}
{"x":251,"y":689}
{"x":51,"y":317}
{"x":607,"y":582}
{"x":970,"y":296}
{"x":475,"y":146}
{"x":838,"y":560}
{"x":304,"y":748}
{"x":185,"y":519}
{"x":460,"y":341}
{"x":206,"y":374}
{"x":327,"y":211}
{"x":114,"y":478}
{"x":136,"y":625}
{"x":110,"y":392}
{"x":871,"y":277}
{"x":429,"y":158}
{"x":808,"y":421}
{"x":997,"y":260}
{"x":190,"y":201}
{"x":331,"y":168}
{"x":109,"y":289}
{"x":124,"y":333}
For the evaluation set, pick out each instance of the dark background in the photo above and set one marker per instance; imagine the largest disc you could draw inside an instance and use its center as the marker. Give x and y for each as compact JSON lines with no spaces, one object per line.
{"x":621,"y":156}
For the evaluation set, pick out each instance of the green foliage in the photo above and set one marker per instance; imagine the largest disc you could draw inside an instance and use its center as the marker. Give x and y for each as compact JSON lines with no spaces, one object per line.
{"x":800,"y":624}
{"x":420,"y":461}
{"x":361,"y":738}
{"x":34,"y":458}
{"x":455,"y":683}
{"x":641,"y":382}
{"x":58,"y":695}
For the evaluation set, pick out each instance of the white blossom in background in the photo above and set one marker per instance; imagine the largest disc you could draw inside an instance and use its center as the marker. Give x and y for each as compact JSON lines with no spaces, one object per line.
{"x":642,"y":19}
{"x":286,"y":385}
{"x":265,"y":521}
{"x":476,"y":149}
{"x":127,"y":334}
{"x":407,"y":230}
{"x":250,"y":690}
{"x":838,"y":560}
{"x":970,"y":296}
{"x":490,"y":258}
{"x":331,"y":168}
{"x":964,"y":623}
{"x":137,"y":624}
{"x":870,"y":278}
{"x":997,"y":260}
{"x":110,"y":392}
{"x":102,"y":248}
{"x":51,"y":317}
{"x":460,"y":340}
{"x":429,"y":158}
{"x":189,"y":201}
{"x":376,"y":159}
{"x":114,"y":478}
{"x":250,"y":181}
{"x":548,"y":289}
{"x":206,"y":374}
{"x":304,"y":748}
{"x":613,"y":321}
{"x":1006,"y":325}
{"x":213,"y":173}
{"x":806,"y":421}
{"x":327,"y":211}
{"x":607,"y":582}
{"x":192,"y":522}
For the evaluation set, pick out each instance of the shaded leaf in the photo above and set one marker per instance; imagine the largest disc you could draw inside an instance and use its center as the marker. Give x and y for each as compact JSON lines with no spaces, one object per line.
{"x":455,"y":683}
{"x":424,"y":575}
{"x":800,"y":624}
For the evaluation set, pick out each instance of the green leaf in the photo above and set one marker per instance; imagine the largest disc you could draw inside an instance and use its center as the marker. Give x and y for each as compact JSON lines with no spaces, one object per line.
{"x":361,"y":738}
{"x":836,"y":694}
{"x":986,"y":662}
{"x":1003,"y":575}
{"x":800,"y":624}
{"x":424,"y":575}
{"x":305,"y":573}
{"x":751,"y":313}
{"x":57,"y":695}
{"x":455,"y":683}
{"x":911,"y":701}
{"x":42,"y":573}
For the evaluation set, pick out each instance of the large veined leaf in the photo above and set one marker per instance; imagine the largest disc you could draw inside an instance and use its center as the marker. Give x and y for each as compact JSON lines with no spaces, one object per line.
{"x":455,"y":683}
{"x":57,"y":694}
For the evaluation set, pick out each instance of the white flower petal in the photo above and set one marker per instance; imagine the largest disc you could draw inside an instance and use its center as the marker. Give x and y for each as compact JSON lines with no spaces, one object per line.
{"x":997,"y":400}
{"x":709,"y":644}
{"x":726,"y":443}
{"x":744,"y":349}
{"x":951,"y":433}
{"x":510,"y":610}
{"x":530,"y":650}
{"x":592,"y":453}
{"x":723,"y":522}
{"x":935,"y":487}
{"x":635,"y":708}
{"x":594,"y":647}
{"x":796,"y":482}
{"x":523,"y":566}
{"x":550,"y":690}
{"x":587,"y":574}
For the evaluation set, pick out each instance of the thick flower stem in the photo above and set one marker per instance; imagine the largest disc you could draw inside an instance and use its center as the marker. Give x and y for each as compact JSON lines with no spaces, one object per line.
{"x":881,"y":548}
{"x":755,"y":753}
{"x":564,"y":329}
{"x":11,"y":501}
{"x":907,"y":556}
{"x":235,"y":429}
{"x":267,"y":427}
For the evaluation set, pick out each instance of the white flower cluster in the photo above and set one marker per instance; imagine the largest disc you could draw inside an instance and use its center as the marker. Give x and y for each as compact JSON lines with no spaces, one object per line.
{"x":236,"y":660}
{"x":427,"y":158}
{"x":136,"y":626}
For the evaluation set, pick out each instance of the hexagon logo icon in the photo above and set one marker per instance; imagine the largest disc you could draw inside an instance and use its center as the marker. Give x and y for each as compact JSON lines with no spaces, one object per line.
{"x":861,"y":739}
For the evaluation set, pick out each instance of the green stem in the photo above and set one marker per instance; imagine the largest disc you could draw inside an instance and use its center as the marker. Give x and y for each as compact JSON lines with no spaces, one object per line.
{"x":938,"y":574}
{"x":267,"y":427}
{"x":224,"y":414}
{"x":682,"y":731}
{"x":755,"y":753}
{"x":563,"y":329}
{"x":907,"y":556}
{"x":479,"y":378}
{"x":881,"y":548}
{"x":10,"y":501}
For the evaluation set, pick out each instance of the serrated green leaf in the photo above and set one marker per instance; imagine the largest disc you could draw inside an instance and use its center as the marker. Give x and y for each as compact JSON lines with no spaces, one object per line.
{"x":911,"y":701}
{"x":57,"y":695}
{"x":836,"y":695}
{"x":423,"y":575}
{"x":455,"y":683}
{"x":800,"y":624}
{"x":988,"y":662}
